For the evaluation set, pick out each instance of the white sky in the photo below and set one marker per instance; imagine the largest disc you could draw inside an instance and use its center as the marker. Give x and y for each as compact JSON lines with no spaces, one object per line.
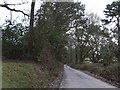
{"x":96,"y":6}
{"x":92,"y":6}
{"x":4,"y":13}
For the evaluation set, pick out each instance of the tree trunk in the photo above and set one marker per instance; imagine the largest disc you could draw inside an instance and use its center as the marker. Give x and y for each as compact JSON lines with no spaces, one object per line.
{"x":76,"y":54}
{"x":32,"y":15}
{"x":81,"y":58}
{"x":71,"y":55}
{"x":31,"y":49}
{"x":119,"y":45}
{"x":118,"y":26}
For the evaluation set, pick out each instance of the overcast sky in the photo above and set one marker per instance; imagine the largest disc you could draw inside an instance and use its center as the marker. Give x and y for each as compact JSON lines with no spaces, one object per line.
{"x":92,"y":6}
{"x":96,"y":6}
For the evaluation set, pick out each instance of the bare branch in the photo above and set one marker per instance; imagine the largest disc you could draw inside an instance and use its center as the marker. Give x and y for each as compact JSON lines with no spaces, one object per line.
{"x":11,"y":9}
{"x":16,"y":3}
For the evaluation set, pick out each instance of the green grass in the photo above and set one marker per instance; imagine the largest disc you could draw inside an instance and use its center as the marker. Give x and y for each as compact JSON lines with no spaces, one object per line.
{"x":24,"y":75}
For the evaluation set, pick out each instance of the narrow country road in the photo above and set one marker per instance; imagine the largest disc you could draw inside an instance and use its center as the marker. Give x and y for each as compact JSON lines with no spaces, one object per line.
{"x":76,"y":79}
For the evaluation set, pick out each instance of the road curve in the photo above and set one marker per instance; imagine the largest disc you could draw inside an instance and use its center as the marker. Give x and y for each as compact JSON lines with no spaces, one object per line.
{"x":73,"y":78}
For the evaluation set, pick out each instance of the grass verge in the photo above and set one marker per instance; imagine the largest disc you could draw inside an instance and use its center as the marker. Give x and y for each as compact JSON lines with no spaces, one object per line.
{"x":25,"y":75}
{"x":110,"y":73}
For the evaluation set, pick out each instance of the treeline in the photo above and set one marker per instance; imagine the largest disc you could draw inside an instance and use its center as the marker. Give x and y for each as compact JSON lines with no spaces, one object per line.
{"x":46,"y":41}
{"x":64,"y":32}
{"x":92,"y":41}
{"x":12,"y":40}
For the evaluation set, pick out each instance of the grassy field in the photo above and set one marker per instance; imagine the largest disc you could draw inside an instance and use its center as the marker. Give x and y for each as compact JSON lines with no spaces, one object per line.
{"x":24,"y":75}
